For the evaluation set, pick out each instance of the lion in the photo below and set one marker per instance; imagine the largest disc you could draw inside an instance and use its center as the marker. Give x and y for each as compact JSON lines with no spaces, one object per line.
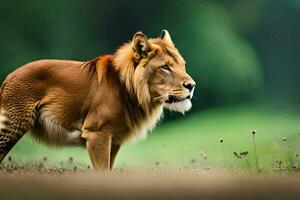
{"x":99,"y":104}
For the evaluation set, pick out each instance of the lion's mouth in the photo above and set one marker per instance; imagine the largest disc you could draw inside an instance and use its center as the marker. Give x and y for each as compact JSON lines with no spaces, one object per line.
{"x":178,"y":104}
{"x":174,"y":99}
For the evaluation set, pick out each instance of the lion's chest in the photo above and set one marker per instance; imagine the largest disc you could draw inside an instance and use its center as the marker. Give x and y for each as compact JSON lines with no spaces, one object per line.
{"x":139,"y":133}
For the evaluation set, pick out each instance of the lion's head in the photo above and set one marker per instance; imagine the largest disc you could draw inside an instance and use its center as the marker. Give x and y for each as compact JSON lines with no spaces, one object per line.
{"x":154,"y":71}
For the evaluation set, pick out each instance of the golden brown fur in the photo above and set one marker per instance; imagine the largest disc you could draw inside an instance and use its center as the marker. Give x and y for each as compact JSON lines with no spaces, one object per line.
{"x":98,"y":104}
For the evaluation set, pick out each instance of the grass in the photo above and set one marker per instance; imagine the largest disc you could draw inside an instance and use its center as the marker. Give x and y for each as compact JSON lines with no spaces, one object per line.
{"x":195,"y":139}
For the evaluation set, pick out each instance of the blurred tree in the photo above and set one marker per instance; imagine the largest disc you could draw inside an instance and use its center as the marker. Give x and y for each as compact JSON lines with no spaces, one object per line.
{"x":277,"y":39}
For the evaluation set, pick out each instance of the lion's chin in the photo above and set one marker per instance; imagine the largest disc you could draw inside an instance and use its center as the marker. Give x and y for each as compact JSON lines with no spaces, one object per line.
{"x":179,"y":106}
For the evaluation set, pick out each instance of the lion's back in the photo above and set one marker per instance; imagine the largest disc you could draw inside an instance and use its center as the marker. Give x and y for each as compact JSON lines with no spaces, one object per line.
{"x":31,"y":81}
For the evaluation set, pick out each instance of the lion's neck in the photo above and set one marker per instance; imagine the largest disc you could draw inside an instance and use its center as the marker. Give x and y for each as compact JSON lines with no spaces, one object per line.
{"x":141,"y":121}
{"x":135,"y":110}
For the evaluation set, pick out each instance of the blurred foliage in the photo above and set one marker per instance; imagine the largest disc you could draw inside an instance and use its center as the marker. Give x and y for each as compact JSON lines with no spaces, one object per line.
{"x":236,"y":50}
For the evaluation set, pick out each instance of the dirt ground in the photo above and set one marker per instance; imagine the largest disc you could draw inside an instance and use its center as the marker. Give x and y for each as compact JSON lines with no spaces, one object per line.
{"x":147,"y":185}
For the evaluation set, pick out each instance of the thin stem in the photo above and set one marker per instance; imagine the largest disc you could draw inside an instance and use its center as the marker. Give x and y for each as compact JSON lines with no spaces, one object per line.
{"x":223,"y":154}
{"x":255,"y":154}
{"x":248,"y":163}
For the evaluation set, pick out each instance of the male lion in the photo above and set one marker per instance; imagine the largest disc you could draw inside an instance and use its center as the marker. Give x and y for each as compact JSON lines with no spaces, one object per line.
{"x":98,"y":104}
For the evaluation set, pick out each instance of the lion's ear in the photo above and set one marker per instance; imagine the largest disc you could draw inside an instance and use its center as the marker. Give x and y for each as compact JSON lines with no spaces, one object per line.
{"x":165,"y":35}
{"x":141,"y":44}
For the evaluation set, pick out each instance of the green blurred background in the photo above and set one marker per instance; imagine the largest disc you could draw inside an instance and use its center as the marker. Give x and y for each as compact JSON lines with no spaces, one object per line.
{"x":244,"y":56}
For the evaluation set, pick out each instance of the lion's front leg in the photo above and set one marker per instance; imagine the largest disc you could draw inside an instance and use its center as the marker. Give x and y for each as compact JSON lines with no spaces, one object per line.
{"x":114,"y":150}
{"x":99,"y":147}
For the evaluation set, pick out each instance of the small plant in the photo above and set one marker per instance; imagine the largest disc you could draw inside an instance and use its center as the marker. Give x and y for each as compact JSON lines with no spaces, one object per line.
{"x":290,"y":158}
{"x":192,"y":161}
{"x":243,"y":156}
{"x":237,"y":155}
{"x":255,"y":152}
{"x":222,"y":148}
{"x":203,"y":155}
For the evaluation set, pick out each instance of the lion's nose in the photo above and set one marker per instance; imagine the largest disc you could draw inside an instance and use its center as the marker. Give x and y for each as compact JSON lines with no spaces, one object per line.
{"x":189,"y":86}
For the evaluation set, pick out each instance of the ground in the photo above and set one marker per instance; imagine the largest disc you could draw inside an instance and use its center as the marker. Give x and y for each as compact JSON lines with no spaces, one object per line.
{"x":159,"y":185}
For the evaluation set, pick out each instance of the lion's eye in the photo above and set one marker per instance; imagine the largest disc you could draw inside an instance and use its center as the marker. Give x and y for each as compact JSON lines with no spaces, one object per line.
{"x":165,"y":67}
